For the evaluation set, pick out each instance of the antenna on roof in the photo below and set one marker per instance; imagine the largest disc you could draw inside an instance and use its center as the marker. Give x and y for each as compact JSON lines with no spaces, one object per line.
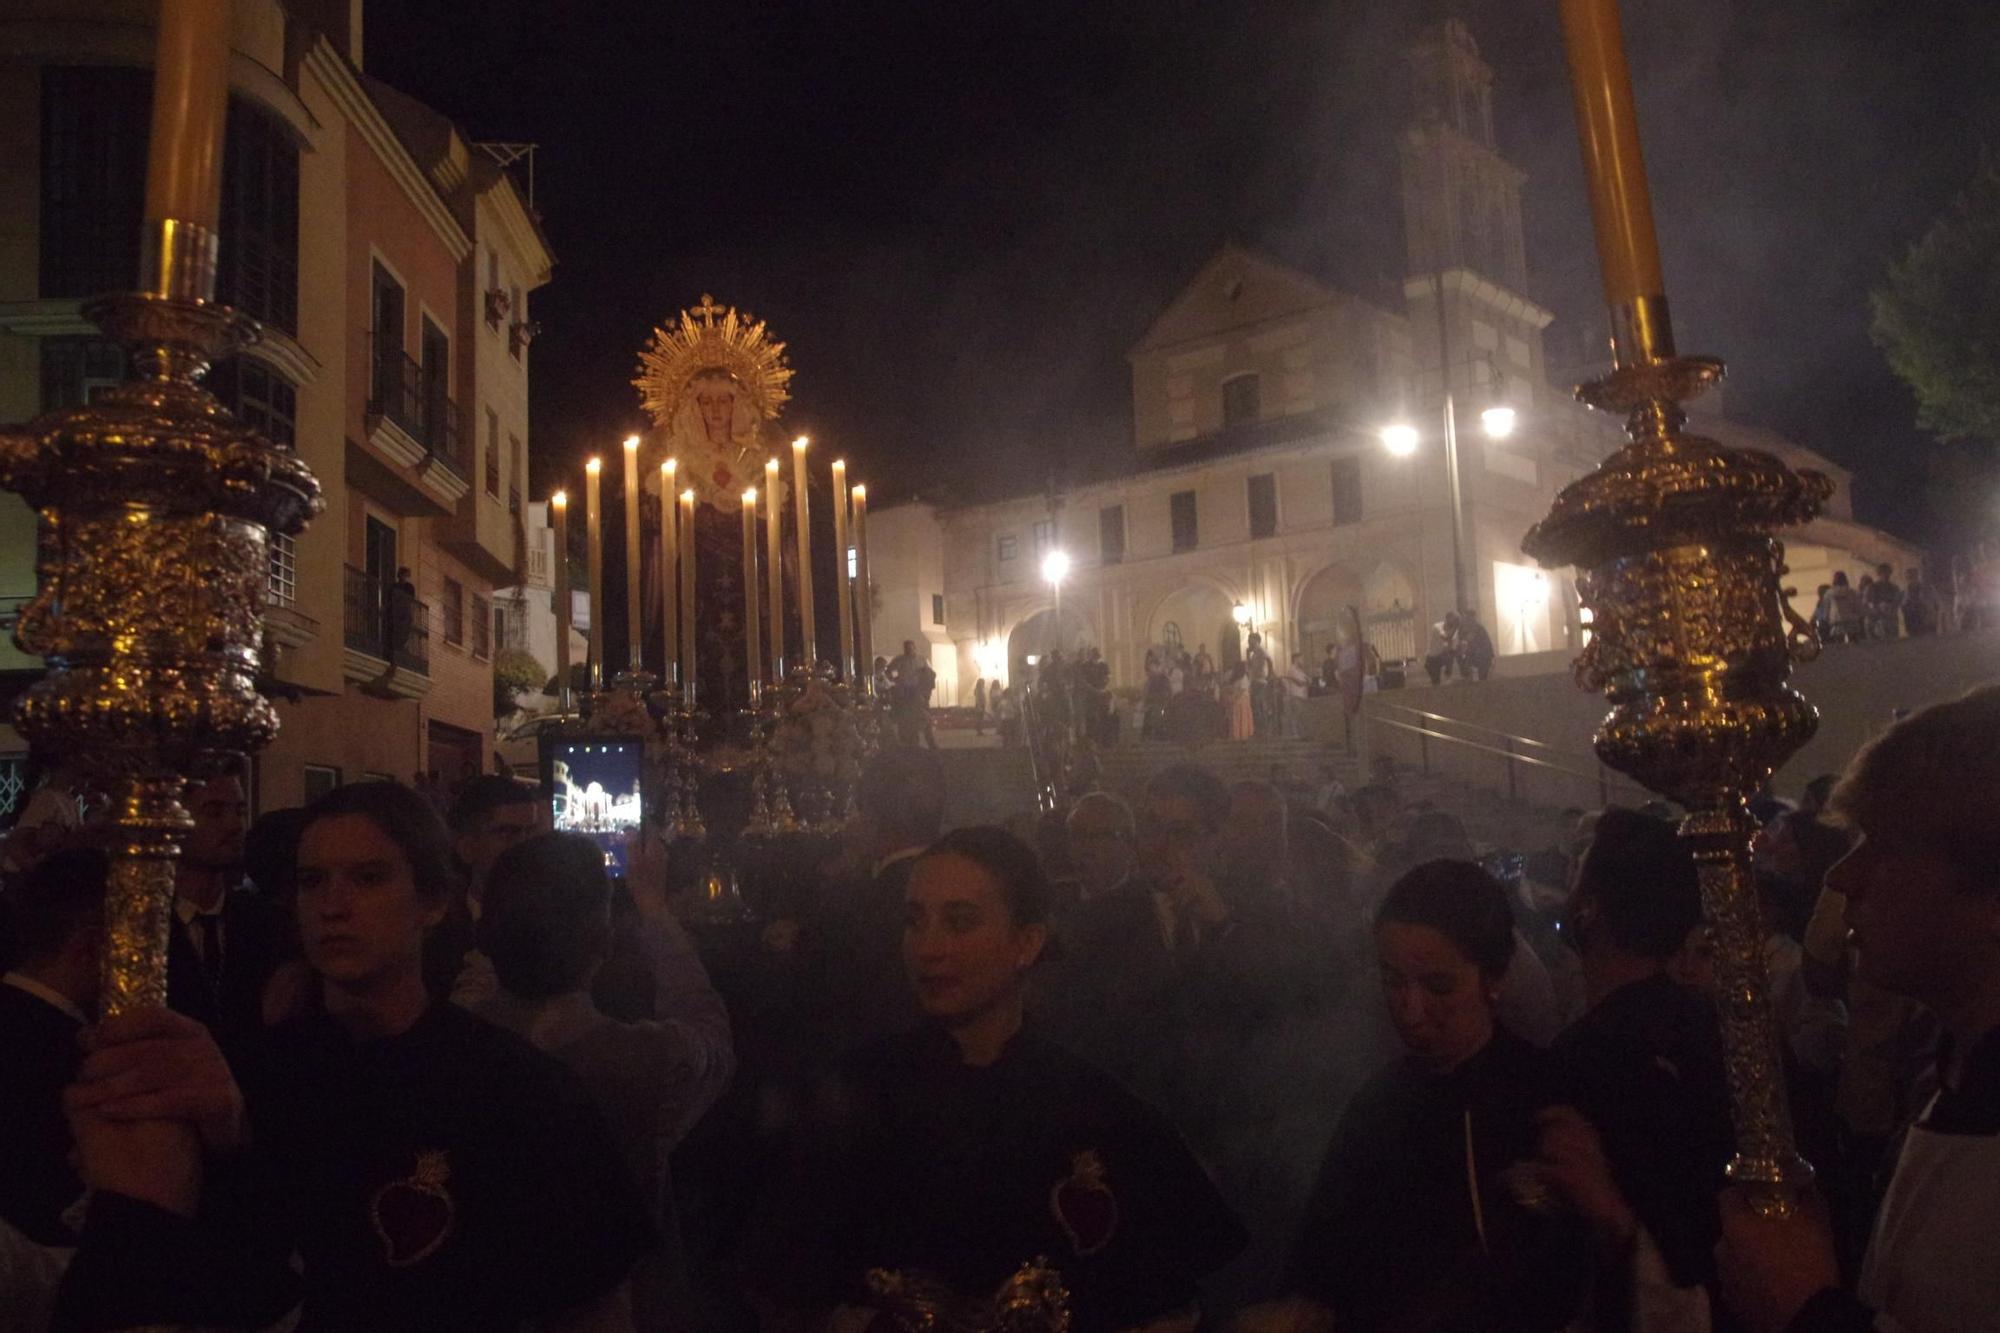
{"x":507,"y":154}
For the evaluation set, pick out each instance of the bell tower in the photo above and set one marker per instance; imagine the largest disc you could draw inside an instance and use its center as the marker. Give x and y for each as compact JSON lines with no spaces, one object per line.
{"x":1461,"y":199}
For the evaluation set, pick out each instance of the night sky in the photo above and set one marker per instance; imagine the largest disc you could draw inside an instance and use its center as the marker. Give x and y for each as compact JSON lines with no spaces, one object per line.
{"x":961,"y":216}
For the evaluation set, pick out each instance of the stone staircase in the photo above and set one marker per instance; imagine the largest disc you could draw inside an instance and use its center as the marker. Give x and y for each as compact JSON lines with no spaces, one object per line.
{"x":986,"y":785}
{"x":1492,"y":820}
{"x":1125,"y":768}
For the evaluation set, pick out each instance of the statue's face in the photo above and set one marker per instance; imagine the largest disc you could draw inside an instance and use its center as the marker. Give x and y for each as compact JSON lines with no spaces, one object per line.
{"x":716,"y":399}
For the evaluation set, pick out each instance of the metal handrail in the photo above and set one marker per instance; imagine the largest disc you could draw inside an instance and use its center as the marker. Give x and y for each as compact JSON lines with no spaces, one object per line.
{"x":1474,"y":726}
{"x":1599,"y":774}
{"x":1047,"y":798}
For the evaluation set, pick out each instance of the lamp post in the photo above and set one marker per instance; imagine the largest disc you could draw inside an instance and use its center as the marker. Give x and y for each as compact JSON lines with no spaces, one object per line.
{"x":1055,"y":568}
{"x":1400,"y":439}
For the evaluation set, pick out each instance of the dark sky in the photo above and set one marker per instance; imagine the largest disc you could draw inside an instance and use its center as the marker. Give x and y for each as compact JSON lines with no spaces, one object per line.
{"x":960,"y":216}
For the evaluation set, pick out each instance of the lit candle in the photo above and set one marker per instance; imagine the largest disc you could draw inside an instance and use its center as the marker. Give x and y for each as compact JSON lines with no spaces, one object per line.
{"x":1620,"y":204}
{"x":190,"y":95}
{"x":802,"y":515}
{"x":774,"y":569}
{"x":864,"y":637}
{"x":841,"y":582}
{"x":753,"y":651}
{"x":635,"y":618}
{"x":687,"y":598}
{"x":559,"y":507}
{"x":593,"y":537}
{"x":670,"y":654}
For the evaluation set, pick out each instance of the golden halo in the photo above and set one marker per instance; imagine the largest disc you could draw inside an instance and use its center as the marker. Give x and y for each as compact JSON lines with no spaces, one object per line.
{"x":712,"y":337}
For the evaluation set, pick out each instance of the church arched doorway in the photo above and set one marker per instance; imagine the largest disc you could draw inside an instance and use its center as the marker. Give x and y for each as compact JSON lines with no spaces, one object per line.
{"x":1038,"y":635}
{"x":1192,"y":618}
{"x":1324,"y":619}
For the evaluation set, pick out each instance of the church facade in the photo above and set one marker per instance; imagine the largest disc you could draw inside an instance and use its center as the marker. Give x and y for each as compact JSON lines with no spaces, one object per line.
{"x":1260,"y":494}
{"x":1291,"y":469}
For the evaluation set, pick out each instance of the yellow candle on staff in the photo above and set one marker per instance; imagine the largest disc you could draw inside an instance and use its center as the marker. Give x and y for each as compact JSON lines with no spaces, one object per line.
{"x":559,"y":507}
{"x":1628,"y":253}
{"x":753,"y":652}
{"x":864,"y":636}
{"x":687,"y":598}
{"x":593,"y":537}
{"x":190,"y":96}
{"x":670,"y":652}
{"x":802,"y":514}
{"x":842,"y":583}
{"x":774,"y":570}
{"x":635,"y":617}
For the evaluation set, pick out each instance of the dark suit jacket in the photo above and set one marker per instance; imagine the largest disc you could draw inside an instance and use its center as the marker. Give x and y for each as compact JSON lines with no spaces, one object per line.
{"x":256,"y":937}
{"x":39,"y":1055}
{"x":860,"y":939}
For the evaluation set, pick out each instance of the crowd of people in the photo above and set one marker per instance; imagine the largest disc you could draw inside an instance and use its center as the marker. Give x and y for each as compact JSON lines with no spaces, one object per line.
{"x":1221,"y":1056}
{"x":1939,"y":597}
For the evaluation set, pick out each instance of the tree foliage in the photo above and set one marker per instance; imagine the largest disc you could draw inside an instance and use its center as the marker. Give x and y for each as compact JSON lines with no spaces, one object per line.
{"x":1937,"y":316}
{"x":514,"y":673}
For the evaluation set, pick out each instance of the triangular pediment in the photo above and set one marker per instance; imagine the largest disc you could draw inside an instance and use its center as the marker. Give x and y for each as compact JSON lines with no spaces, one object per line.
{"x":1236,"y":288}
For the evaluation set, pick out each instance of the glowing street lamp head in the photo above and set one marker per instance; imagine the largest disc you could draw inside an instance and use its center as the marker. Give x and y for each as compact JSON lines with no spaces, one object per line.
{"x":1400,"y":439}
{"x":1240,"y":614}
{"x":1055,"y":566}
{"x":1498,"y":421}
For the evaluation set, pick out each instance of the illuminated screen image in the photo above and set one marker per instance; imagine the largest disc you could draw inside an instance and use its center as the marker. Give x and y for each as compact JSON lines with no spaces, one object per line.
{"x":594,"y":790}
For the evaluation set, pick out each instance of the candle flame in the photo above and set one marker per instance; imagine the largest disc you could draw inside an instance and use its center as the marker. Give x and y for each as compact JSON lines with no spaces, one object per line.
{"x":799,"y":443}
{"x":669,"y":465}
{"x":861,"y":492}
{"x":631,"y":442}
{"x":560,"y":499}
{"x":750,"y":496}
{"x":770,"y":465}
{"x":687,"y":497}
{"x":594,"y":465}
{"x":840,"y":465}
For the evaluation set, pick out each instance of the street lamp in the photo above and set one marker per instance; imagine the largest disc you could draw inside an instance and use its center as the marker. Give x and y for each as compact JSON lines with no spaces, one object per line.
{"x":1498,"y":421}
{"x":1055,"y":568}
{"x":1240,"y":614}
{"x":1400,"y":439}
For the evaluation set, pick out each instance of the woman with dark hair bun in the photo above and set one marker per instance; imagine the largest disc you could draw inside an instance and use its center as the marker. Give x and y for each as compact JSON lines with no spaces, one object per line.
{"x":959,"y":1153}
{"x":1417,"y":1220}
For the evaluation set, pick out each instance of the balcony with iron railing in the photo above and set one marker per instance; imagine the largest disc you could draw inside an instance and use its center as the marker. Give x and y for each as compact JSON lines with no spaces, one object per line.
{"x":384,"y":624}
{"x":417,"y":404}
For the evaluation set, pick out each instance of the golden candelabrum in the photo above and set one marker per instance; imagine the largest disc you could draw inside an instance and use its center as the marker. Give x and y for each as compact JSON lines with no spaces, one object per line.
{"x":156,"y":512}
{"x":1679,"y":566}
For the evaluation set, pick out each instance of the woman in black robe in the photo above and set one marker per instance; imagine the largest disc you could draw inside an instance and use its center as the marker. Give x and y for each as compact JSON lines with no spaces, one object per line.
{"x":1425,"y":1215}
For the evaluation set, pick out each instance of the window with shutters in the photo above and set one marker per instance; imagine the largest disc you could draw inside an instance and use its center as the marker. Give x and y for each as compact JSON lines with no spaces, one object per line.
{"x":1111,"y":534}
{"x":1264,"y":505}
{"x":1347,"y":490}
{"x":1187,"y":530}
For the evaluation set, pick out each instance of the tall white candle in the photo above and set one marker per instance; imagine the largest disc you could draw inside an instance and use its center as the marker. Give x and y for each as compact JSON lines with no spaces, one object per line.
{"x":594,"y":553}
{"x":843,"y":659}
{"x":670,"y":648}
{"x":688,"y":616}
{"x":635,"y":626}
{"x":802,"y":511}
{"x":864,"y":619}
{"x":774,"y":570}
{"x":559,"y":576}
{"x":753,"y":652}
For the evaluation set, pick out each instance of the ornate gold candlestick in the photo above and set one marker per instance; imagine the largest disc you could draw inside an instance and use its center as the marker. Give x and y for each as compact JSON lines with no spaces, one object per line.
{"x":157,"y":509}
{"x":1680,"y":569}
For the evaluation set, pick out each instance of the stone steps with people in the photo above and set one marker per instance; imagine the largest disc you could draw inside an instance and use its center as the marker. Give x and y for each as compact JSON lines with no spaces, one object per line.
{"x":1124,"y":769}
{"x":986,"y":785}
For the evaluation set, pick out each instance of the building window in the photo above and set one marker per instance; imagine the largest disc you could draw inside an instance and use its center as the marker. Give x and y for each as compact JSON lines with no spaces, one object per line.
{"x":1242,"y":400}
{"x":1006,"y":547}
{"x":482,"y":627}
{"x":281,"y":585}
{"x":853,"y":565}
{"x":1045,"y":537}
{"x":519,"y":315}
{"x":259,"y":269}
{"x":519,"y":460}
{"x":937,"y":608}
{"x":1347,"y":490}
{"x":262,"y":398}
{"x":492,"y":453}
{"x":319,"y":780}
{"x":1111,"y":534}
{"x":94,"y":136}
{"x":94,"y":132}
{"x":1264,"y":505}
{"x":1170,"y":637}
{"x":451,"y":608}
{"x":74,"y":369}
{"x":1187,"y":531}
